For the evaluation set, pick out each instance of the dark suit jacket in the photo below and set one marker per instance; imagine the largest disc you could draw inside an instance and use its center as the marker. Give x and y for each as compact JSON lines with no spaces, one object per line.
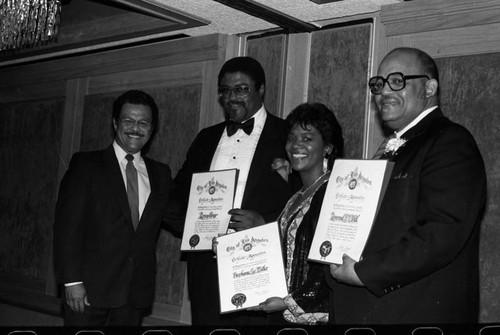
{"x":420,"y":264}
{"x":94,"y":238}
{"x":266,"y":192}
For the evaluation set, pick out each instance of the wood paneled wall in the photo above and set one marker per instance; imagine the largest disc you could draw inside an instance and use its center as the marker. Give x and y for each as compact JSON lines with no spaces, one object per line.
{"x":328,"y":66}
{"x":270,"y":52}
{"x":470,"y":96}
{"x":29,"y":158}
{"x":66,"y":105}
{"x":51,"y":109}
{"x":338,"y":77}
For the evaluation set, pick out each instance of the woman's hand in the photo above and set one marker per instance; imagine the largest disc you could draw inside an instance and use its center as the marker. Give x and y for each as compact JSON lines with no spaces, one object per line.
{"x":283,"y":167}
{"x":214,"y":245}
{"x":273,"y":304}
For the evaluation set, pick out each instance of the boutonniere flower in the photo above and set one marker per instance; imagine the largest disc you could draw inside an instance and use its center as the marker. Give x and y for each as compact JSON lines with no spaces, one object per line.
{"x":394,"y":144}
{"x":283,"y":167}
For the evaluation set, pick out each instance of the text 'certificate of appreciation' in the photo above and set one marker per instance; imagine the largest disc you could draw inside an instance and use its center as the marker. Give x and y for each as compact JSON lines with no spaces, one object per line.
{"x":210,"y":198}
{"x":250,"y":267}
{"x":353,"y":195}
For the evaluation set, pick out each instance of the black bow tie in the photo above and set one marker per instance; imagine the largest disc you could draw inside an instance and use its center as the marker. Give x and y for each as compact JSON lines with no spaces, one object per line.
{"x":233,"y":126}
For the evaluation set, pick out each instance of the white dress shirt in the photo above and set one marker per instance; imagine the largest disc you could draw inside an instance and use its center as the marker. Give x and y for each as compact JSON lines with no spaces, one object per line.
{"x":415,"y":121}
{"x":237,"y":152}
{"x":142,"y":174}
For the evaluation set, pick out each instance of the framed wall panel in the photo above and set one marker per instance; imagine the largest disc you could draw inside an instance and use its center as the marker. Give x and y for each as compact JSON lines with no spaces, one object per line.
{"x":269,"y":51}
{"x":338,"y":78}
{"x":470,"y":95}
{"x":29,"y":160}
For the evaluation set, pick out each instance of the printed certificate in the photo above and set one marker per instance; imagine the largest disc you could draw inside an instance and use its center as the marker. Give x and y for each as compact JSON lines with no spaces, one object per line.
{"x":211,"y":197}
{"x":353,"y":195}
{"x":250,"y":267}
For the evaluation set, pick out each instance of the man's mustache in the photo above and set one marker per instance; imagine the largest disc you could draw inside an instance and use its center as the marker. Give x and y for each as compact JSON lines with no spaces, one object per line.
{"x":235,"y":102}
{"x":134,"y":133}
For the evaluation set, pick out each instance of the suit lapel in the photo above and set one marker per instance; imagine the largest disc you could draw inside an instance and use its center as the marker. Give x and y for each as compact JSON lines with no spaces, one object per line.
{"x":259,"y":159}
{"x":207,"y":154}
{"x":153,"y":183}
{"x":419,"y":129}
{"x":114,"y":178}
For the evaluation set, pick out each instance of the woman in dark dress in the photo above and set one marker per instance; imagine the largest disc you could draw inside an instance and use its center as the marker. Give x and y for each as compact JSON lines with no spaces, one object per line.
{"x":314,"y":141}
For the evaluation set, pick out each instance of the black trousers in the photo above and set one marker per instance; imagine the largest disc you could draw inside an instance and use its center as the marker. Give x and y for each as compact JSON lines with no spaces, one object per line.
{"x":126,"y":315}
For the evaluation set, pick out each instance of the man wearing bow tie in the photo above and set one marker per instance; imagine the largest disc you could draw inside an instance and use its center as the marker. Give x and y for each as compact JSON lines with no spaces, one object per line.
{"x":249,"y":140}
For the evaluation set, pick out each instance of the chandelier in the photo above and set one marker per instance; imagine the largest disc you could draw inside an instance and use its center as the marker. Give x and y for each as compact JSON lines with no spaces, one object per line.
{"x":25,"y":23}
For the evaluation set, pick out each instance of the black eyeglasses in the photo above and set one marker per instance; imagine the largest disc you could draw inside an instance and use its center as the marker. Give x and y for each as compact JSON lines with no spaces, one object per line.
{"x":396,"y":81}
{"x":129,"y":123}
{"x":240,"y":91}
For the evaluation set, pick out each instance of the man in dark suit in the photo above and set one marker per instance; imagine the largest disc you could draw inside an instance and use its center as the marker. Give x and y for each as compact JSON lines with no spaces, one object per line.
{"x":107,"y":219}
{"x":420,"y":264}
{"x":251,"y":149}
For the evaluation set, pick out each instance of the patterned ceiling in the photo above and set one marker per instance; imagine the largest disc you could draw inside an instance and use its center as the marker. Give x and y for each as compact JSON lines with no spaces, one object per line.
{"x":224,"y":19}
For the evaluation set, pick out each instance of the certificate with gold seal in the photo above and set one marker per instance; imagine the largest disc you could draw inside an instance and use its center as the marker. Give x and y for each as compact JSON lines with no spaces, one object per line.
{"x":355,"y":190}
{"x":211,"y":197}
{"x":250,"y":267}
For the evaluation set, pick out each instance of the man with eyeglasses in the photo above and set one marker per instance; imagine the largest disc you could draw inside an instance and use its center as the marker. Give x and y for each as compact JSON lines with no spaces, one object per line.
{"x":249,"y":140}
{"x":107,"y":219}
{"x":420,"y":263}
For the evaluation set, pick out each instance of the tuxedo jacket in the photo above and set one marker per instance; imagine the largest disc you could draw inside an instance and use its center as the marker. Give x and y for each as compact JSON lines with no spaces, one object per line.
{"x":420,"y":263}
{"x":94,"y":238}
{"x":265,"y":191}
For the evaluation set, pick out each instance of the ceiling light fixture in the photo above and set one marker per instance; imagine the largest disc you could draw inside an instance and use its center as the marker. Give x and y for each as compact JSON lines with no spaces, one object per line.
{"x":25,"y":23}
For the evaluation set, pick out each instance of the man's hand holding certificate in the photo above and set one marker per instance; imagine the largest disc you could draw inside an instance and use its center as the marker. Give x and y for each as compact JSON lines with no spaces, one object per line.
{"x":210,"y":199}
{"x":351,"y":202}
{"x":250,"y":267}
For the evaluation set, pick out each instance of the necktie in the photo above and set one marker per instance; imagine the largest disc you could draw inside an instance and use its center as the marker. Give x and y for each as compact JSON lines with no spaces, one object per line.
{"x":381,"y":150}
{"x":233,"y":126}
{"x":132,"y":190}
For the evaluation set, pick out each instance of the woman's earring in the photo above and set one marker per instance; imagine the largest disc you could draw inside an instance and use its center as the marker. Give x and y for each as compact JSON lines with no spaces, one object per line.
{"x":325,"y":162}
